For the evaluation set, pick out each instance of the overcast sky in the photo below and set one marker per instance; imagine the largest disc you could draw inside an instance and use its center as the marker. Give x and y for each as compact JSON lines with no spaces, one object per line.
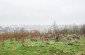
{"x":42,"y":12}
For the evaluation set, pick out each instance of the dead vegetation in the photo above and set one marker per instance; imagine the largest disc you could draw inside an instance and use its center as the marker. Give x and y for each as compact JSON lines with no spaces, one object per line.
{"x":56,"y":33}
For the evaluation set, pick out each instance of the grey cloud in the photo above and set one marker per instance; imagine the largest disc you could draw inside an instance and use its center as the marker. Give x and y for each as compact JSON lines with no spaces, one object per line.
{"x":42,"y":12}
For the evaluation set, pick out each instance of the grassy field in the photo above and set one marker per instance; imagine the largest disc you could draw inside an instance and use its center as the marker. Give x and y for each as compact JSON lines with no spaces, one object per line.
{"x":43,"y":48}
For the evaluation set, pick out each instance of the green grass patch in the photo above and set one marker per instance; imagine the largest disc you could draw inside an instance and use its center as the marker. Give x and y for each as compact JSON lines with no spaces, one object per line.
{"x":41,"y":47}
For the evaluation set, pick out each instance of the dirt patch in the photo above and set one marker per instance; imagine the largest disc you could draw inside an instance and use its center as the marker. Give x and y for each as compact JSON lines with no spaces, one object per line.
{"x":80,"y":53}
